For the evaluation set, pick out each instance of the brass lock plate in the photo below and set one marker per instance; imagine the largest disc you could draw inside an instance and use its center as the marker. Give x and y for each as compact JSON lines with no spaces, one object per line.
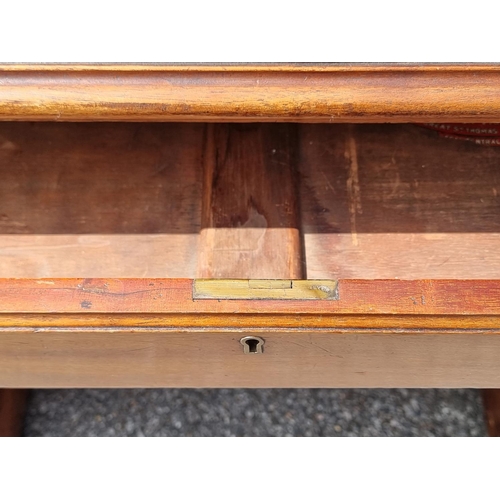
{"x":265,"y":289}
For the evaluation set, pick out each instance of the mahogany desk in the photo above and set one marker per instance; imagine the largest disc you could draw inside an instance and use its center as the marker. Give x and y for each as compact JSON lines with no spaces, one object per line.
{"x":133,"y":198}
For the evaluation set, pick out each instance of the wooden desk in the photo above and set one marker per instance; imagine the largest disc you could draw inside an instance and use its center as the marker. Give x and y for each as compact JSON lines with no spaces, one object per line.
{"x":108,"y":225}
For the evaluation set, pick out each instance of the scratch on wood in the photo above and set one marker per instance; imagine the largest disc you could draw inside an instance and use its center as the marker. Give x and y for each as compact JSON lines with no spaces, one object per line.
{"x":328,"y":183}
{"x":316,"y":345}
{"x":353,"y":189}
{"x":324,"y":349}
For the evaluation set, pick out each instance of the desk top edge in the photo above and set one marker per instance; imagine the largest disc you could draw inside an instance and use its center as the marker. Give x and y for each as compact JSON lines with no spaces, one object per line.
{"x":249,"y":67}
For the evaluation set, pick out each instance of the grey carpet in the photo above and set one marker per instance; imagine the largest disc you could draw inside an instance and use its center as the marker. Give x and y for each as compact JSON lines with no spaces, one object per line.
{"x":237,"y":412}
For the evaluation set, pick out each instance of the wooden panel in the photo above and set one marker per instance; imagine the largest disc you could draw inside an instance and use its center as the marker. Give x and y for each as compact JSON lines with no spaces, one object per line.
{"x":12,"y":410}
{"x":398,"y":201}
{"x":250,"y":214}
{"x":326,"y":93}
{"x":114,"y":200}
{"x":98,"y":255}
{"x":187,"y":358}
{"x":435,"y":304}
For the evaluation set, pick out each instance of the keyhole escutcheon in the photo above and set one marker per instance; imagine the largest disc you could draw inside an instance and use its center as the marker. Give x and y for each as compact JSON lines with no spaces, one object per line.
{"x":252,"y":345}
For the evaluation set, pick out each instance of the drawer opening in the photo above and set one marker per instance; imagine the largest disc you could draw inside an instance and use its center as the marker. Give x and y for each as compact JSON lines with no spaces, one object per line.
{"x":168,"y":200}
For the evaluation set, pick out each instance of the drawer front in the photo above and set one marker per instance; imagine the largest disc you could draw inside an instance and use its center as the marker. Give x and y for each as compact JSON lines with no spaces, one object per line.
{"x":215,"y":358}
{"x":188,"y":333}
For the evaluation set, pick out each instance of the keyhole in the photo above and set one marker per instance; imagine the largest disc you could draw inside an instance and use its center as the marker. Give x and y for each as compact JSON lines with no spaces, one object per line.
{"x":252,"y":345}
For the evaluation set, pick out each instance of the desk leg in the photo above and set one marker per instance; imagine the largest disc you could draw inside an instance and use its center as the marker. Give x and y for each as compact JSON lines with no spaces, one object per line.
{"x":491,"y":402}
{"x":12,"y":411}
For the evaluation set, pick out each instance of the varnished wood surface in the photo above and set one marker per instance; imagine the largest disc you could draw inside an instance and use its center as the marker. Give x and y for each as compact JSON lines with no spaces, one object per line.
{"x":250,"y":218}
{"x":328,"y":93}
{"x":206,"y":358}
{"x":491,"y":401}
{"x":169,"y":302}
{"x":12,"y":410}
{"x":245,"y":67}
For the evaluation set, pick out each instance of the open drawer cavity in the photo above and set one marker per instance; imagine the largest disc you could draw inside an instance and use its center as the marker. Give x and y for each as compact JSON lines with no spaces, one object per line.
{"x":383,"y":241}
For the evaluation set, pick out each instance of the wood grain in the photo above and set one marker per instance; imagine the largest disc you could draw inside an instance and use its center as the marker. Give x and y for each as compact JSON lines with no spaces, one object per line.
{"x":397,"y":201}
{"x":313,"y":93}
{"x":376,"y":202}
{"x":435,"y":200}
{"x":206,"y":358}
{"x":462,"y":304}
{"x":98,"y":255}
{"x":12,"y":410}
{"x":92,"y":200}
{"x":250,"y":218}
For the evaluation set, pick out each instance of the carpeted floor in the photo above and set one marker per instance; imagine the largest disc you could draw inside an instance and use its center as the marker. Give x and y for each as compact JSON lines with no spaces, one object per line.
{"x":237,"y":412}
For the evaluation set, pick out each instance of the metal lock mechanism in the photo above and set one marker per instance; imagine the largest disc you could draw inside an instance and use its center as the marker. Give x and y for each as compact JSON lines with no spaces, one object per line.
{"x":216,"y":289}
{"x":252,"y":345}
